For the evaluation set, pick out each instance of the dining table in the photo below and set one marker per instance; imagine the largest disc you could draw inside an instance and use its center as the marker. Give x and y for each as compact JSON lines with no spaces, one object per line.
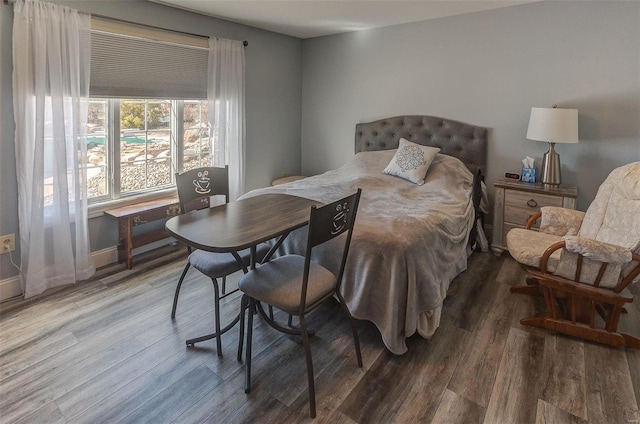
{"x":242,"y":224}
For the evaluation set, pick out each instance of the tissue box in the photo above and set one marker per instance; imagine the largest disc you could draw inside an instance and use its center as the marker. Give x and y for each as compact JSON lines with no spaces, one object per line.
{"x":528,"y":175}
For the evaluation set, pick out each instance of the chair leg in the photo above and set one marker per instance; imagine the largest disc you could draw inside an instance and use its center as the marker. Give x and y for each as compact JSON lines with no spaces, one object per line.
{"x":630,"y":341}
{"x":307,"y":355}
{"x":216,"y":306}
{"x":243,"y":310}
{"x":354,"y":330}
{"x":247,"y":364}
{"x":532,"y":281}
{"x":224,"y":284}
{"x":175,"y":296}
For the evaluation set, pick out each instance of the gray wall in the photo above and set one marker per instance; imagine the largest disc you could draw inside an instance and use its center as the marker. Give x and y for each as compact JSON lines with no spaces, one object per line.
{"x":8,"y":189}
{"x":488,"y":69}
{"x":273,"y":102}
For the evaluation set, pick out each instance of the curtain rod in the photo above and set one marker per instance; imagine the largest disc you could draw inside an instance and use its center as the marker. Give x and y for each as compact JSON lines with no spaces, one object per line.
{"x":244,"y":43}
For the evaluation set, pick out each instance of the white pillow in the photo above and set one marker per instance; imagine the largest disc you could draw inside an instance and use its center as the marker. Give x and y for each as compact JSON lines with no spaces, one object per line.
{"x":411,"y":161}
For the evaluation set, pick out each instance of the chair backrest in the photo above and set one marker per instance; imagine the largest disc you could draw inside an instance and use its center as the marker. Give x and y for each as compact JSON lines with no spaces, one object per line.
{"x":326,"y":223}
{"x":613,"y":216}
{"x":200,"y":184}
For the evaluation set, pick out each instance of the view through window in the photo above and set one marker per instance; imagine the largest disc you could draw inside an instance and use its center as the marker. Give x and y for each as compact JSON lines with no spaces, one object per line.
{"x":97,"y":152}
{"x":136,"y":145}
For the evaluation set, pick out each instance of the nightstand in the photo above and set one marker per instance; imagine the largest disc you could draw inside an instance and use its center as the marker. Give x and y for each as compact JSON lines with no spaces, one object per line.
{"x":516,"y":201}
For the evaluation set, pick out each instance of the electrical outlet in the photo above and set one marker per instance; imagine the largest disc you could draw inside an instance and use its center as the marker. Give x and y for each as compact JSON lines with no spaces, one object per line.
{"x":7,"y":243}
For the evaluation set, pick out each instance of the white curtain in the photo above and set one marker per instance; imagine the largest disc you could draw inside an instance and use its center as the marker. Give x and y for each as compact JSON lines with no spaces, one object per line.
{"x":225,"y":91}
{"x":51,"y":62}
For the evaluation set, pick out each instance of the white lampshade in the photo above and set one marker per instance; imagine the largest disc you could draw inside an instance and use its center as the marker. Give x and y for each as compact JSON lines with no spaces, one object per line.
{"x":553,"y":125}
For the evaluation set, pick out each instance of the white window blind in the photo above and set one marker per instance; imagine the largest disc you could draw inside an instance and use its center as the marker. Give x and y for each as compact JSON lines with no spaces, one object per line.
{"x":131,"y":61}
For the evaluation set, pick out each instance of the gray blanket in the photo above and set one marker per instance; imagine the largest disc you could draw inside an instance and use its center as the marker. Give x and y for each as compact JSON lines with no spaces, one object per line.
{"x":409,"y":241}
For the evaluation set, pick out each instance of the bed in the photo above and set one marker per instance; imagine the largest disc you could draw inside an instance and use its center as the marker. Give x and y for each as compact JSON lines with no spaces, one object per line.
{"x":409,"y":241}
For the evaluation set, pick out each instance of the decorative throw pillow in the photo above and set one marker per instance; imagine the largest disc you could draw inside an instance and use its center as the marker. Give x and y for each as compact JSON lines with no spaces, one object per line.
{"x":411,"y":161}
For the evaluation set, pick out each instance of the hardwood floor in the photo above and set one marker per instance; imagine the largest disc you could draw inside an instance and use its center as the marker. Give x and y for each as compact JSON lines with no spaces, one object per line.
{"x":106,"y":351}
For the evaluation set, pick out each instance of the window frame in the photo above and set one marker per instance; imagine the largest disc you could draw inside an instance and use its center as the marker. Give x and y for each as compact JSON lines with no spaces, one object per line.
{"x":115,"y":198}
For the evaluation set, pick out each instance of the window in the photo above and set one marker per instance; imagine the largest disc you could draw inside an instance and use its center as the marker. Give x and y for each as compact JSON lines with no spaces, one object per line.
{"x":97,"y":152}
{"x":135,"y":146}
{"x":196,"y":135}
{"x":145,"y":145}
{"x":148,"y":117}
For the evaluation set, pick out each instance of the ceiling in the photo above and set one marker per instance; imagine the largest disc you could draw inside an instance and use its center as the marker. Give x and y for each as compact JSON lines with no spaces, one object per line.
{"x":315,"y":18}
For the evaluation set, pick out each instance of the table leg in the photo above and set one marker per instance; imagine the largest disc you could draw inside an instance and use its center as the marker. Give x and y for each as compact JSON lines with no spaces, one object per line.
{"x":229,"y":326}
{"x":253,"y":266}
{"x":252,"y":257}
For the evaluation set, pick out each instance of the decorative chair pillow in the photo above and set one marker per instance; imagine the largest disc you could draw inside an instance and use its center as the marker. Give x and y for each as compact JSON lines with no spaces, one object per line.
{"x":411,"y":161}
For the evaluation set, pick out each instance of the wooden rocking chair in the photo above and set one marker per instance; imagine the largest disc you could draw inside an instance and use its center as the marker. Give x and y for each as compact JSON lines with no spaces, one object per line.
{"x":582,"y":263}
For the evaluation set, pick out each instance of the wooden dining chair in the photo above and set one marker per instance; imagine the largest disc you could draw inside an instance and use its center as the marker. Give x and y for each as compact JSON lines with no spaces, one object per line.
{"x":297,"y":285}
{"x":195,"y":188}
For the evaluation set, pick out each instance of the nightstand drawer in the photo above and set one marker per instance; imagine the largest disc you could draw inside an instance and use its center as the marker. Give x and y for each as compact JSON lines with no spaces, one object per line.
{"x":519,"y":206}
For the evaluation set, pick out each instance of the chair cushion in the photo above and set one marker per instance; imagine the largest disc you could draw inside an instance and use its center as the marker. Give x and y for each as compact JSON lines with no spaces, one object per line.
{"x":597,"y":250}
{"x":279,"y":283}
{"x":217,"y":265}
{"x":527,"y":247}
{"x":612,"y":217}
{"x":560,"y":221}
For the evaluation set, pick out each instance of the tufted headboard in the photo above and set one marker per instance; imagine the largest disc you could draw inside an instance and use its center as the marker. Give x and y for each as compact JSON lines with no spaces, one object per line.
{"x":463,"y":141}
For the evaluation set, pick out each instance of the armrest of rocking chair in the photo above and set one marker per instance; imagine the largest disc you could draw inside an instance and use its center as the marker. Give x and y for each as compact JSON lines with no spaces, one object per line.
{"x":598,"y":252}
{"x":560,"y":221}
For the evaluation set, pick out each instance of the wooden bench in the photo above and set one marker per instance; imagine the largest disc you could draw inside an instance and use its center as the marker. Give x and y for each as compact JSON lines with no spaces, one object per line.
{"x":139,"y":214}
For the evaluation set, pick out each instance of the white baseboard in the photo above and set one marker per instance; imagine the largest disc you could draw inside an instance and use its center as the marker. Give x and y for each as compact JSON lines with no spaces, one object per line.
{"x":10,"y":287}
{"x":105,"y":256}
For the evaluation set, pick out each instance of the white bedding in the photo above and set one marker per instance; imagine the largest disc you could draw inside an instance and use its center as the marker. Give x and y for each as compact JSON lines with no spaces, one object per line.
{"x":409,"y":241}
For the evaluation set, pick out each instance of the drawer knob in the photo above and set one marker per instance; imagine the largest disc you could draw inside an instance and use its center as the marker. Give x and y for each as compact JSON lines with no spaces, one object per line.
{"x":532,"y":203}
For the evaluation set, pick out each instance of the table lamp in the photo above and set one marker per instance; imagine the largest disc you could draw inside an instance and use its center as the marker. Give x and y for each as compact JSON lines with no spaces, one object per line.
{"x":553,"y":125}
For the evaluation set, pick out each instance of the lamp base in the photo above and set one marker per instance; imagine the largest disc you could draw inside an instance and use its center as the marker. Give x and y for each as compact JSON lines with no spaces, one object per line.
{"x":551,"y":167}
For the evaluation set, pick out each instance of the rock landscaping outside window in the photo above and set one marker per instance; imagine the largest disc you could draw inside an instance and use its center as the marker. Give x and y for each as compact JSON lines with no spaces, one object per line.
{"x":152,"y":144}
